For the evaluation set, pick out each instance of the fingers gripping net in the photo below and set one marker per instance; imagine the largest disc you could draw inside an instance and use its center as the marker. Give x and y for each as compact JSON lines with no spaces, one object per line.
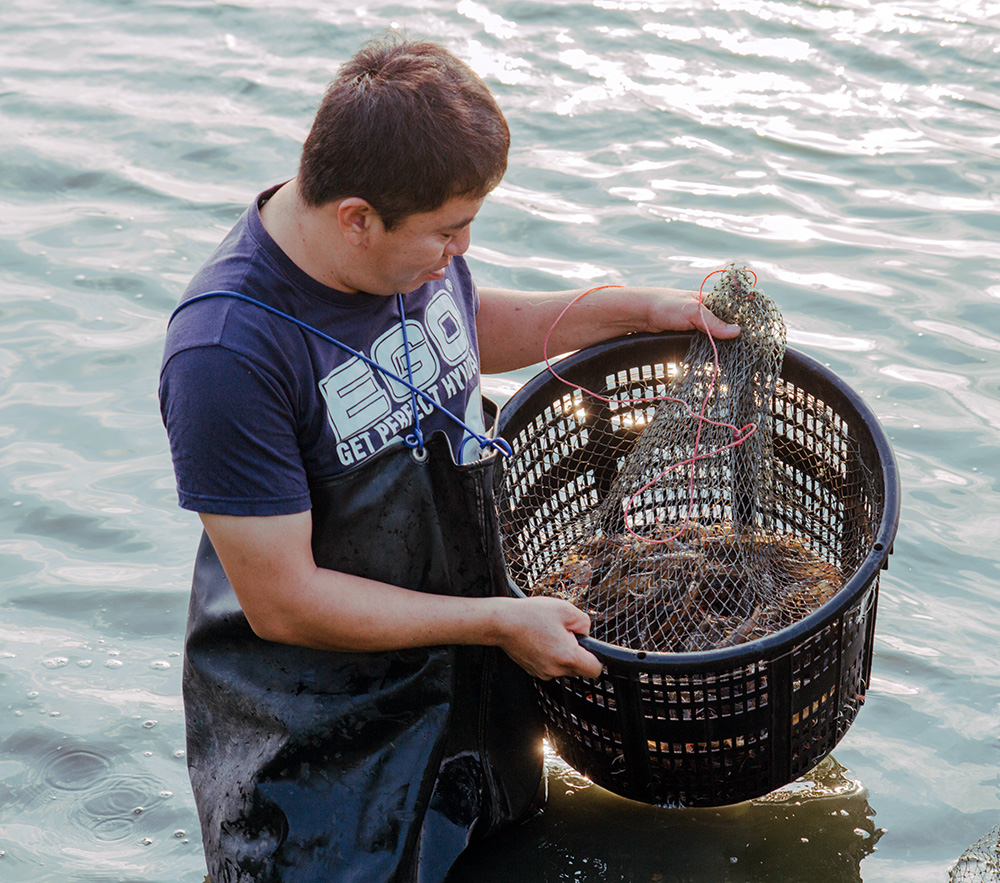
{"x":681,"y":554}
{"x":710,"y":439}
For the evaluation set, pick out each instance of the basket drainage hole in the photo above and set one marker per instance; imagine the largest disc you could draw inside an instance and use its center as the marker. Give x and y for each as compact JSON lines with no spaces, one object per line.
{"x":878,"y":547}
{"x":641,"y":654}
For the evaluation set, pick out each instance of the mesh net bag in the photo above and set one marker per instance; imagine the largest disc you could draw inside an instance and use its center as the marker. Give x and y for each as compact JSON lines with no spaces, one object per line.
{"x":681,"y":553}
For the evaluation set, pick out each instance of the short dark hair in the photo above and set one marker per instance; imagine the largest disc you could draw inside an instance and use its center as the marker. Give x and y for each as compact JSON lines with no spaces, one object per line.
{"x":406,"y":126}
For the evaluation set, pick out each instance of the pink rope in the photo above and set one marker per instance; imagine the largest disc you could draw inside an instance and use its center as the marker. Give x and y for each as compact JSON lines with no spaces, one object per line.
{"x":740,"y":434}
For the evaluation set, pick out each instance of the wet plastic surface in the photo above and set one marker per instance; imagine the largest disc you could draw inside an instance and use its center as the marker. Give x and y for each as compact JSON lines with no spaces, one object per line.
{"x":310,"y":765}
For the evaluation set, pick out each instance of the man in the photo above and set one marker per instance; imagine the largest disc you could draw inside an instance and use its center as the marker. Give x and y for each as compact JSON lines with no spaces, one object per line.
{"x":352,"y":708}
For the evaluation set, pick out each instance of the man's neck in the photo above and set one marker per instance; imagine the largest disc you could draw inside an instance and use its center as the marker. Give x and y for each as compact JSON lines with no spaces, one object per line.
{"x":306,"y":236}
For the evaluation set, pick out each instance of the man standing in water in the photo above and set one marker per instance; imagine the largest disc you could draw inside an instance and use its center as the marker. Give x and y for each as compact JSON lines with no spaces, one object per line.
{"x":356,"y":677}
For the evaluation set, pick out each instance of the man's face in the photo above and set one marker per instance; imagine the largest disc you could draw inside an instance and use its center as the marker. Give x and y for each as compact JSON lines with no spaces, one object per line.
{"x":420,"y":247}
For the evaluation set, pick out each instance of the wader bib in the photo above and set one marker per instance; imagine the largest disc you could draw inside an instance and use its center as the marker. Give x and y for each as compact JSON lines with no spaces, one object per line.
{"x":320,"y":766}
{"x":313,"y":766}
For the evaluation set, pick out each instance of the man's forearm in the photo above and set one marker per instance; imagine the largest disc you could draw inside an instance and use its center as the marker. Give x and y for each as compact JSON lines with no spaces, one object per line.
{"x":287,"y":599}
{"x":513,"y":325}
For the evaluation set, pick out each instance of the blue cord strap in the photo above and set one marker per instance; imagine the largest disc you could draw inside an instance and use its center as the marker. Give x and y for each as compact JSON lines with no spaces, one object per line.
{"x":416,"y":438}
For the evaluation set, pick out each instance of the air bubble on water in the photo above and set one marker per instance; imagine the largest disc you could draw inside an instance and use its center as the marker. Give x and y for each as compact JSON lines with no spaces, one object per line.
{"x":160,"y":664}
{"x":33,"y":694}
{"x":147,"y":753}
{"x":113,"y":663}
{"x":149,"y":724}
{"x":179,"y":753}
{"x":53,"y":714}
{"x":175,"y":653}
{"x":137,"y":811}
{"x":166,"y":794}
{"x":179,"y":833}
{"x":146,"y":841}
{"x":55,"y":662}
{"x":861,"y":832}
{"x":804,"y":839}
{"x":733,"y":859}
{"x":85,"y":663}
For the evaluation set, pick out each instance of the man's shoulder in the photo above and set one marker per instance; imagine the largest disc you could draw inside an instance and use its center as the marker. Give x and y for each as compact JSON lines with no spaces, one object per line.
{"x":199,"y":320}
{"x":234,"y":322}
{"x":208,"y":311}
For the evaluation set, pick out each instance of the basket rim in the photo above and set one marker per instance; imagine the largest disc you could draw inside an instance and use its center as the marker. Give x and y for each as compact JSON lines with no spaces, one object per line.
{"x":787,"y":639}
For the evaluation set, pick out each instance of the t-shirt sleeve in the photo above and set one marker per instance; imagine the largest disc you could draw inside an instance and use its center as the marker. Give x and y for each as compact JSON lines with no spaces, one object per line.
{"x":465,"y":274}
{"x":232,"y":435}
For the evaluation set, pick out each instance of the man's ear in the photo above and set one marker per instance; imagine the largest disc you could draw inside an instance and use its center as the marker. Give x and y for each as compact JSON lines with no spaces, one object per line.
{"x":357,"y":220}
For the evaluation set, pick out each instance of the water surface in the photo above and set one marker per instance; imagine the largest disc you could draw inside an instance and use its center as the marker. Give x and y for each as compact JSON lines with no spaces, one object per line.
{"x":846,"y":151}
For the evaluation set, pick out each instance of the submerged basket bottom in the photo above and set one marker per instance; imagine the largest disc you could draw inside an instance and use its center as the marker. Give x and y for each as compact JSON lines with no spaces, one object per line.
{"x":716,"y":737}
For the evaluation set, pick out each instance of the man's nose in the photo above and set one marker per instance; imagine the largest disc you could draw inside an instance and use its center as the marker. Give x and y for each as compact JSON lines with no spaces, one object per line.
{"x":459,"y":243}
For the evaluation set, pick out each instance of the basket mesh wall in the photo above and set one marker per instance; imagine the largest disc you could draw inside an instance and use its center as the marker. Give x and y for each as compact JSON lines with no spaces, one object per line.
{"x":710,"y":731}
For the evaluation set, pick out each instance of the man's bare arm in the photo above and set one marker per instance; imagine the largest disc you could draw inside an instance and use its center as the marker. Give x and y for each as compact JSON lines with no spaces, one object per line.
{"x":512,"y":325}
{"x":288,"y":599}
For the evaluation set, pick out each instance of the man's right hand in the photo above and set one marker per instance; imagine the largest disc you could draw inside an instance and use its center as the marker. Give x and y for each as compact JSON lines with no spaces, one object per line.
{"x":540,"y":635}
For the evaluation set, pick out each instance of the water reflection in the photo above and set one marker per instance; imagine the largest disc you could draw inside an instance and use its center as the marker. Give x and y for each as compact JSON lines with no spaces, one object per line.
{"x":818,"y":828}
{"x":980,"y":863}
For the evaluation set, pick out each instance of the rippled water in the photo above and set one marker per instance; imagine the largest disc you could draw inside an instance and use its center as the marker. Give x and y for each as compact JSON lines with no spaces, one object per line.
{"x":847,"y":151}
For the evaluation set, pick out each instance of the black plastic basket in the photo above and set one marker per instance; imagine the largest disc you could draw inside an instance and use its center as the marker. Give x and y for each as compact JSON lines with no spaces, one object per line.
{"x":720,"y":726}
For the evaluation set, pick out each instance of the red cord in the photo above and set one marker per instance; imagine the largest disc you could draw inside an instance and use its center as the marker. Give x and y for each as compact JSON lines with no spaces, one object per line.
{"x":740,"y":435}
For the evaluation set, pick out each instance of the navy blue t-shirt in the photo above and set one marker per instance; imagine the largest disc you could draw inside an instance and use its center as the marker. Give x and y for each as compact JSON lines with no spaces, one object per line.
{"x":258,"y":408}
